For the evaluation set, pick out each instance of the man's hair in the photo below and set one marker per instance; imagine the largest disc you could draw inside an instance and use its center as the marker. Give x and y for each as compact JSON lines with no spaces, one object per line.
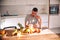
{"x":35,"y":9}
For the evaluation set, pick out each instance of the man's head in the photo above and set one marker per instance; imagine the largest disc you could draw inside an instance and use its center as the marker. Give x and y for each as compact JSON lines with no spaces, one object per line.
{"x":34,"y":11}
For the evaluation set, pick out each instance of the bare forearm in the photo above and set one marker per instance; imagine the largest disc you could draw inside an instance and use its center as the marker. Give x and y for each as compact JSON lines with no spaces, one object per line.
{"x":39,"y":22}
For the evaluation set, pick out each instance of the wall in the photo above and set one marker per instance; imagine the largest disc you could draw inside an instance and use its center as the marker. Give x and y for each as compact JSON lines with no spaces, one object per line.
{"x":23,"y":2}
{"x":22,"y":9}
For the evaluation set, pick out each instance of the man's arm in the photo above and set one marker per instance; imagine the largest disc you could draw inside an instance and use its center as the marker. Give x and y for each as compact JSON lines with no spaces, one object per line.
{"x":26,"y":20}
{"x":39,"y":21}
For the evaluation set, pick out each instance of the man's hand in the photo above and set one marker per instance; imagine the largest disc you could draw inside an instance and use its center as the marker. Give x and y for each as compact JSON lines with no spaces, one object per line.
{"x":39,"y":20}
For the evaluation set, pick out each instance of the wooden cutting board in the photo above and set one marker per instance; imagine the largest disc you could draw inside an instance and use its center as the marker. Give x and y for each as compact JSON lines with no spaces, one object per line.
{"x":34,"y":37}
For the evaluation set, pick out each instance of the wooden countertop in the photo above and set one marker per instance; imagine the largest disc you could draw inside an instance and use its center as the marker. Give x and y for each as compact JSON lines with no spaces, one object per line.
{"x":34,"y":37}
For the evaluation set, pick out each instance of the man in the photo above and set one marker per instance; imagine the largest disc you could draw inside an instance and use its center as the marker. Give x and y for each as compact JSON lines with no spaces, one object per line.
{"x":33,"y":19}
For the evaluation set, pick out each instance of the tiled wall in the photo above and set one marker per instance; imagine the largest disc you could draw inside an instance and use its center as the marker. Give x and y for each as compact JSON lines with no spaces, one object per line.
{"x":23,"y":6}
{"x":23,"y":2}
{"x":23,"y":9}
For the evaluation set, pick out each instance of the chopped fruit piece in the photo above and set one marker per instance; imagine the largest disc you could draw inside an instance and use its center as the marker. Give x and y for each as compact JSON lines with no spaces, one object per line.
{"x":15,"y":32}
{"x":37,"y":30}
{"x":2,"y":32}
{"x":32,"y":30}
{"x":19,"y":33}
{"x":27,"y":31}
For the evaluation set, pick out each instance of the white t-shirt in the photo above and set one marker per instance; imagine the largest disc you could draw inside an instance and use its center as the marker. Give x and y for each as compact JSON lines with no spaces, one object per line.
{"x":32,"y":20}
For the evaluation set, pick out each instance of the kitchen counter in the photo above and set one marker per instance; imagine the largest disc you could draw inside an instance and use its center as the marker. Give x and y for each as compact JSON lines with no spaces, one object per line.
{"x":43,"y":35}
{"x":34,"y":37}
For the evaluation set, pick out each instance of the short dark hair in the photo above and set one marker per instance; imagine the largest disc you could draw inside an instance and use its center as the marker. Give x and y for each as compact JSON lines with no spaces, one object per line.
{"x":35,"y":9}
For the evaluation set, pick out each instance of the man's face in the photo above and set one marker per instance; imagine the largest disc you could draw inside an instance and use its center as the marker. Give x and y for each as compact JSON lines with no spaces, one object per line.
{"x":34,"y":13}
